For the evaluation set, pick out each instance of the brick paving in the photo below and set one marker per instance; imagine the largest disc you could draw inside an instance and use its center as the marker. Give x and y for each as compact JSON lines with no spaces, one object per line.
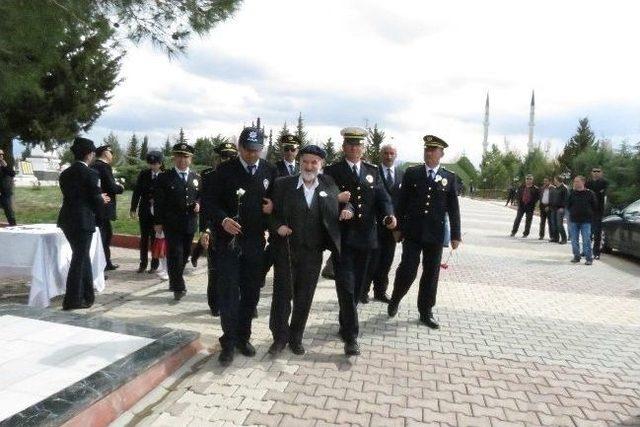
{"x":526,"y":338}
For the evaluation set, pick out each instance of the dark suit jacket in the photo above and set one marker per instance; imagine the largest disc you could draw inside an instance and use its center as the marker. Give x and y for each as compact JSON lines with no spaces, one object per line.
{"x":535,"y":196}
{"x":6,"y":180}
{"x":109,"y":186}
{"x":394,"y":188}
{"x":283,"y":170}
{"x":422,"y":205}
{"x":143,"y":194}
{"x":222,"y":201}
{"x":369,"y":198}
{"x":290,"y":208}
{"x":174,"y":201}
{"x":81,"y":198}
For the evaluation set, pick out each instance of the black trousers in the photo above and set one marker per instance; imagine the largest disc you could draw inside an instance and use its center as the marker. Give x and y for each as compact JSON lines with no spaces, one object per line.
{"x":106,"y":233}
{"x":596,"y":233}
{"x":408,"y":269}
{"x":80,"y":277}
{"x":523,"y":210}
{"x":351,"y":272}
{"x":380,"y":264}
{"x":147,"y":237}
{"x":297,"y":284}
{"x":240,"y":273}
{"x":178,"y":250}
{"x":544,"y":218}
{"x":7,"y":206}
{"x":212,"y":274}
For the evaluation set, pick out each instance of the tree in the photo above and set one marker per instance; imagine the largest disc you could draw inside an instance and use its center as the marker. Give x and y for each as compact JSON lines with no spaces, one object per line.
{"x":272,"y":156}
{"x":133,"y":150}
{"x":284,"y":131}
{"x":166,"y":150}
{"x":465,"y":164}
{"x":300,"y":132}
{"x":329,"y":147}
{"x":203,"y":151}
{"x":493,"y":173}
{"x":181,"y":139}
{"x":536,"y":164}
{"x":116,"y":150}
{"x":144,"y":148}
{"x":583,"y":139}
{"x":375,"y":138}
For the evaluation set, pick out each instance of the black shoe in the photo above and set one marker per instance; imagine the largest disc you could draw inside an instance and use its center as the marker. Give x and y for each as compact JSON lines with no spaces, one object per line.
{"x":596,"y":257}
{"x":277,"y":347}
{"x":106,"y":277}
{"x":255,"y":313}
{"x":364,"y":299}
{"x":141,"y":269}
{"x":562,"y":242}
{"x":351,"y":348}
{"x":541,"y":238}
{"x":554,"y":241}
{"x":215,"y":312}
{"x":588,"y":262}
{"x":152,"y":270}
{"x":575,"y":260}
{"x":177,"y":295}
{"x":382,"y":298}
{"x":428,"y":320}
{"x":392,"y":308}
{"x":111,"y":267}
{"x":246,"y":349}
{"x":524,"y":236}
{"x":513,"y":234}
{"x":296,"y":348}
{"x":226,"y":356}
{"x":76,"y":306}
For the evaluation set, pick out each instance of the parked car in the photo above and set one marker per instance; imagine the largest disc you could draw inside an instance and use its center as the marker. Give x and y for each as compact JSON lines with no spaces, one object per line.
{"x":622,"y":230}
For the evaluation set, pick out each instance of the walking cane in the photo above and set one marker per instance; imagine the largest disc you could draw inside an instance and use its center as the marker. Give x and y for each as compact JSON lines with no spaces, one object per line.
{"x":290,"y":265}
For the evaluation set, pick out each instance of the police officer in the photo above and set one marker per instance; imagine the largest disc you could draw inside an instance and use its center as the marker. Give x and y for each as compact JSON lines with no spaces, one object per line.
{"x":304,"y":223}
{"x":360,"y":184}
{"x":141,"y":205}
{"x":239,"y":207}
{"x":428,"y":193}
{"x":226,"y":151}
{"x":176,"y":207}
{"x":108,"y":184}
{"x":82,"y":200}
{"x":6,"y":189}
{"x":288,"y":165}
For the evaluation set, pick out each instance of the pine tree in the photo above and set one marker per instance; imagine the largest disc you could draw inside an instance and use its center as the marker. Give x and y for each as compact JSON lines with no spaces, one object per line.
{"x":279,"y":150}
{"x":144,"y":149}
{"x":375,"y":138}
{"x":272,"y":156}
{"x":116,"y":150}
{"x":167,"y":148}
{"x":300,"y":132}
{"x":133,"y":150}
{"x":203,"y":151}
{"x":583,"y":139}
{"x":181,"y":138}
{"x":330,"y":148}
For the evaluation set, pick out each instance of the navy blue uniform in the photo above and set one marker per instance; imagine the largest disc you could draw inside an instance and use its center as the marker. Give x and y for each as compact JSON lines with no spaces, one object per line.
{"x":421,"y":211}
{"x":240,"y":267}
{"x":81,"y":202}
{"x":370,"y":201}
{"x":6,"y":193}
{"x":141,"y":201}
{"x":108,"y":212}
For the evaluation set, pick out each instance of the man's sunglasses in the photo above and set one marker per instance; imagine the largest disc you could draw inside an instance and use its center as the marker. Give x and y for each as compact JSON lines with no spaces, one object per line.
{"x":596,"y":170}
{"x":290,"y":148}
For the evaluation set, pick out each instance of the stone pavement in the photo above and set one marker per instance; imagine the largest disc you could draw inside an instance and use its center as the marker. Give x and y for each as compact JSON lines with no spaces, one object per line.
{"x":526,"y":338}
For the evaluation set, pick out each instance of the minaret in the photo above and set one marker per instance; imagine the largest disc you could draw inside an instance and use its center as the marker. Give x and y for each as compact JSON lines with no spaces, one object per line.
{"x":531,"y":121}
{"x":485,"y":142}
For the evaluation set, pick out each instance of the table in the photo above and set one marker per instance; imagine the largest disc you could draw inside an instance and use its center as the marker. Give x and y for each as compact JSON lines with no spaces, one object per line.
{"x":42,"y":251}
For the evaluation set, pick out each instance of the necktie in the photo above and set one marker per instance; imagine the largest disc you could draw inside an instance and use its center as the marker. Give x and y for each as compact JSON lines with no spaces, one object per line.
{"x":355,"y":171}
{"x":154,"y":176}
{"x":290,"y":169}
{"x":184,"y":176}
{"x":431,"y":174}
{"x":389,"y":176}
{"x":251,"y":169}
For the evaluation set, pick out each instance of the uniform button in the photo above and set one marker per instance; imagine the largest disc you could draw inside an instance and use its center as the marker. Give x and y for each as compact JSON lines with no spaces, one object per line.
{"x":360,"y":205}
{"x":426,"y":211}
{"x":428,"y":196}
{"x":359,"y":215}
{"x":429,"y":188}
{"x":427,"y":203}
{"x":357,"y":188}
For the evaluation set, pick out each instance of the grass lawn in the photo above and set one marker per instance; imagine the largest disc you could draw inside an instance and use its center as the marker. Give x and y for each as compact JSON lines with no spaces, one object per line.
{"x":42,"y":204}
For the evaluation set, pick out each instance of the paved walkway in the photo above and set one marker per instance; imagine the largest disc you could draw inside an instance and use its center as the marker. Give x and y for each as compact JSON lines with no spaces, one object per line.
{"x":527,"y":338}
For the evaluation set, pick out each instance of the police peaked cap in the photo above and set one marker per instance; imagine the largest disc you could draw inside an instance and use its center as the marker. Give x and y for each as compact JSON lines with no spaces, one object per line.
{"x":102,"y":149}
{"x":182,"y":148}
{"x":434,"y":141}
{"x":288,"y":139}
{"x":154,"y":157}
{"x":225,"y":148}
{"x":353,"y":135}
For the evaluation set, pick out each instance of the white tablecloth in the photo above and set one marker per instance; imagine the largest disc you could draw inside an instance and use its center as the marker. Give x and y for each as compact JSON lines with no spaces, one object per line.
{"x":42,"y":251}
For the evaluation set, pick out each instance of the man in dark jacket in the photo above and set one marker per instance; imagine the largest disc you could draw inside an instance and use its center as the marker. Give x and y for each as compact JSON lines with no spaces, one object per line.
{"x":288,"y":165}
{"x":6,"y":189}
{"x":142,"y":205}
{"x":176,"y":206}
{"x":528,"y":196}
{"x":557,"y":205}
{"x":238,"y":209}
{"x":82,"y":200}
{"x":361,"y":184}
{"x":427,"y":196}
{"x":599,"y":186}
{"x":304,"y":223}
{"x":108,"y":184}
{"x":582,"y":205}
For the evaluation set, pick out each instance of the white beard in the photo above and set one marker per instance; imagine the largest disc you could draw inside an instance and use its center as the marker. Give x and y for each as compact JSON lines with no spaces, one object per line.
{"x":309,"y":176}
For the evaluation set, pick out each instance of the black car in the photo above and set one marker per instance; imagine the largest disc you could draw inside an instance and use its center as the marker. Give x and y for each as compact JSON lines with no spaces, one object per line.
{"x":622,"y":230}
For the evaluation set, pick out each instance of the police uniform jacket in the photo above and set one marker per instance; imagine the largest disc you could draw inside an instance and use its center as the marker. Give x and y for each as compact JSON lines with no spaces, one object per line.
{"x":206,"y":193}
{"x":369,"y":199}
{"x":283,"y":169}
{"x":290,"y":208}
{"x":174,"y":201}
{"x":109,"y":186}
{"x":423,"y":204}
{"x":222,"y":198}
{"x":6,"y":180}
{"x":142,"y":197}
{"x":81,"y":198}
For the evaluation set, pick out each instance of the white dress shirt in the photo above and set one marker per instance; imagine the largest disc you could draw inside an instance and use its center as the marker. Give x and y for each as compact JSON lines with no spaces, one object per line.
{"x":356,"y":164}
{"x":308,"y":191}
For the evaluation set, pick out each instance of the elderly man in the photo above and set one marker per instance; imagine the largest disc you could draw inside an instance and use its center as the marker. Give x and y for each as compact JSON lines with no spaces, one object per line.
{"x":427,"y":196}
{"x":528,"y":196}
{"x":305,"y":222}
{"x":176,"y":207}
{"x":6,"y":189}
{"x":360,"y":183}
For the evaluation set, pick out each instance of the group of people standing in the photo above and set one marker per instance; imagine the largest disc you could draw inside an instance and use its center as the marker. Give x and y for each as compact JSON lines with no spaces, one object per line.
{"x":356,"y":210}
{"x":582,"y":205}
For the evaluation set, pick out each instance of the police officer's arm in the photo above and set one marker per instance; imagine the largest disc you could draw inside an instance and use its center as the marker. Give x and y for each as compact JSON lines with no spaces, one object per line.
{"x":109,"y":183}
{"x":403,"y":198}
{"x":277,"y":219}
{"x":453,"y":209}
{"x":159,"y":199}
{"x":205,"y":205}
{"x":137,"y":192}
{"x":97,"y":198}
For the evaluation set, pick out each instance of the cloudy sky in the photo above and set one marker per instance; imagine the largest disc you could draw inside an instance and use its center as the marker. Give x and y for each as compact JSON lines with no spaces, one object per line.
{"x":412,"y":67}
